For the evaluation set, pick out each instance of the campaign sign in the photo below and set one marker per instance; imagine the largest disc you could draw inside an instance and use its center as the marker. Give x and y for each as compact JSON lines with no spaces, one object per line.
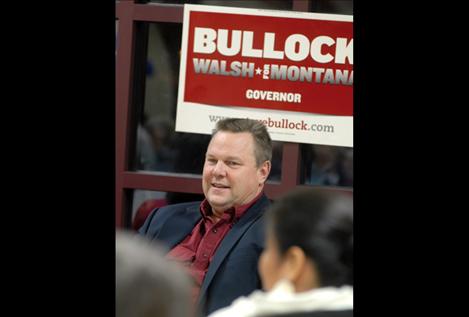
{"x":291,"y":70}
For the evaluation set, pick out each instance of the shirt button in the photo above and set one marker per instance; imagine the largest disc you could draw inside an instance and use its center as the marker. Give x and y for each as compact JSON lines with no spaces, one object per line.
{"x":214,"y":230}
{"x":204,"y":255}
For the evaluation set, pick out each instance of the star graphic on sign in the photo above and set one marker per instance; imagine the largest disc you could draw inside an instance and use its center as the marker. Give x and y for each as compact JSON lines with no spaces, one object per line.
{"x":258,"y":71}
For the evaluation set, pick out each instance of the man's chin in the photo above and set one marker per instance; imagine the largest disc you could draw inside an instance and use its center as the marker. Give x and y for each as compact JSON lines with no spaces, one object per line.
{"x":219,"y":204}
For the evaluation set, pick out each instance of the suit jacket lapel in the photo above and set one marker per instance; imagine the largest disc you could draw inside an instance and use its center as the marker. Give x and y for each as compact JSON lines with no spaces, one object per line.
{"x":177,"y":228}
{"x":230,"y":240}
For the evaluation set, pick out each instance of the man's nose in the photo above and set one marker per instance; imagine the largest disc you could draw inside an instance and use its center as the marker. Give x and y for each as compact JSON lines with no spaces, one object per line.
{"x":219,"y":169}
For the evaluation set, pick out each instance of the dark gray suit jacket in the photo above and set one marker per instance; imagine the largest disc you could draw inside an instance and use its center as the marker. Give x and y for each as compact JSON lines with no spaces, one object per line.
{"x":233,"y":270}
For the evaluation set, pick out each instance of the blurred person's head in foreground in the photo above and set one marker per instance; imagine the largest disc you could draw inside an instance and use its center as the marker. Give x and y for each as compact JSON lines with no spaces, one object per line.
{"x":147,"y":285}
{"x":309,"y":240}
{"x":306,"y":266}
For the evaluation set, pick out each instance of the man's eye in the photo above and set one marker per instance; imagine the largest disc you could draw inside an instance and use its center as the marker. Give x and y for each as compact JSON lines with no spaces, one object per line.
{"x":231,"y":163}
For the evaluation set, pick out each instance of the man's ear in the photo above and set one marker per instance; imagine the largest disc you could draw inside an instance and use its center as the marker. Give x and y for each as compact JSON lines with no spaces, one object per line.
{"x":264,"y":171}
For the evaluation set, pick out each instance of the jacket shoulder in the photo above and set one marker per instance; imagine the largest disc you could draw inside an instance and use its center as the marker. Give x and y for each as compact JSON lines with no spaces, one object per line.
{"x":159,"y":216}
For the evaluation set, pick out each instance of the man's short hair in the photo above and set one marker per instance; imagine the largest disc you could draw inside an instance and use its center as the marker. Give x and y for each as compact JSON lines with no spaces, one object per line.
{"x":146,"y":284}
{"x":262,"y":141}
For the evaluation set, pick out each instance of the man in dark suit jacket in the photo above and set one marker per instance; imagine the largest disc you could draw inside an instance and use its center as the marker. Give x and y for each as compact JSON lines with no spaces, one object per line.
{"x":220,"y":239}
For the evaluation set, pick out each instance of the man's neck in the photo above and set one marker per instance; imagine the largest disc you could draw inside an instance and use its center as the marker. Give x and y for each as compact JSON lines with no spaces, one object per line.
{"x":217,"y":214}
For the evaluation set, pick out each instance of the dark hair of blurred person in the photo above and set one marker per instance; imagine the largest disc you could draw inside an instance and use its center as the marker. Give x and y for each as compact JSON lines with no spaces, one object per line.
{"x":307,"y":265}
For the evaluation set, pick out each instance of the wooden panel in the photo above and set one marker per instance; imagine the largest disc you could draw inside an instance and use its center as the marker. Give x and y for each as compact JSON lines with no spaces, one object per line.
{"x":159,"y":12}
{"x":123,"y":79}
{"x":290,"y":164}
{"x":301,"y":5}
{"x":163,"y":182}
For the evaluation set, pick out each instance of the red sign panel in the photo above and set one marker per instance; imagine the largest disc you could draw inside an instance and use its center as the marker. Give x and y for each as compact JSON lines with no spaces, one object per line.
{"x":283,"y":63}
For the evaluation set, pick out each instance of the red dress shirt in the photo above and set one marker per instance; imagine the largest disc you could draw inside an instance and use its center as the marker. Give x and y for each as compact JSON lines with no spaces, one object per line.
{"x":196,"y":251}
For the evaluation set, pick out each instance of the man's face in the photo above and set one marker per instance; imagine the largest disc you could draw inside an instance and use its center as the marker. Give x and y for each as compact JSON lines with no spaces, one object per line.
{"x":230,"y":176}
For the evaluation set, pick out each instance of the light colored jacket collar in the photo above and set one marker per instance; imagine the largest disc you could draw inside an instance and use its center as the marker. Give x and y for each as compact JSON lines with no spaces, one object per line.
{"x":283,"y":299}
